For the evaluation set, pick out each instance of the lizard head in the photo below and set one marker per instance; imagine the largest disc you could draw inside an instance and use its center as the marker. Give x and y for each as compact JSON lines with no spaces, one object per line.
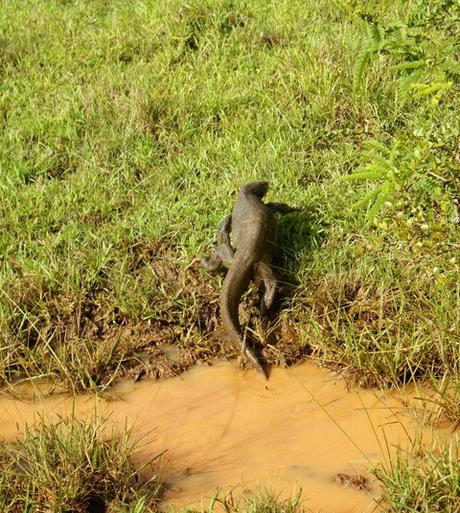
{"x":259,"y":189}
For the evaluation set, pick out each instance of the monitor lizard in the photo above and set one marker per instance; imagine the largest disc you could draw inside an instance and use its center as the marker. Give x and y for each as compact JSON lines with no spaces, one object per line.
{"x":254,"y":232}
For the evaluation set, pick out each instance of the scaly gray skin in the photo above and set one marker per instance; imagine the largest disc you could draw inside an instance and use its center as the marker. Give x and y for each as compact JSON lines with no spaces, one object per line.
{"x":254,"y":232}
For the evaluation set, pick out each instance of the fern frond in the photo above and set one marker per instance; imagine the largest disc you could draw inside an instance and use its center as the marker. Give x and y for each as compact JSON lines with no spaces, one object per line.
{"x":382,"y":161}
{"x":394,"y":151}
{"x":368,"y":197}
{"x":362,"y":175}
{"x":426,"y":89}
{"x":360,"y":64}
{"x":403,"y":66}
{"x":400,"y":38}
{"x":379,"y":201}
{"x":345,"y":6}
{"x":451,"y":67}
{"x":373,"y":144}
{"x":376,"y":34}
{"x":406,"y":82}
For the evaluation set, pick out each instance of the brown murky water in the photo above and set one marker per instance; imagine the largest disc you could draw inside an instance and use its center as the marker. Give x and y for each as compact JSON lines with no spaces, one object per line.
{"x":222,"y":427}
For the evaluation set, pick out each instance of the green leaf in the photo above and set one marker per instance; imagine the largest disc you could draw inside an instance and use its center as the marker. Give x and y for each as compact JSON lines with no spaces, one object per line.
{"x":376,"y":145}
{"x":408,"y":65}
{"x":368,"y":197}
{"x":362,"y":175}
{"x":380,"y":200}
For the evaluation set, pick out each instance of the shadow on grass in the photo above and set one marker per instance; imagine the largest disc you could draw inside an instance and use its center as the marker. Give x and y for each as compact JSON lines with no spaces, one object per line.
{"x":301,"y":233}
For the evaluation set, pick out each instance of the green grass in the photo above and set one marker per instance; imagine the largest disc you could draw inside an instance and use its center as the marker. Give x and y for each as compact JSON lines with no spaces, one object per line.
{"x":255,"y":501}
{"x":73,"y":466}
{"x":423,"y":481}
{"x":128,"y":127}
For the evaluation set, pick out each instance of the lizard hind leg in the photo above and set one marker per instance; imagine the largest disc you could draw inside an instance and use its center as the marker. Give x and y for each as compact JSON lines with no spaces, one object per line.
{"x":264,"y":274}
{"x":212,"y":263}
{"x":223,"y":231}
{"x":222,"y":256}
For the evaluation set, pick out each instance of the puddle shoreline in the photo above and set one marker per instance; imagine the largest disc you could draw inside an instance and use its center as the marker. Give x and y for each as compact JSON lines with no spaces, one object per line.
{"x":222,"y":428}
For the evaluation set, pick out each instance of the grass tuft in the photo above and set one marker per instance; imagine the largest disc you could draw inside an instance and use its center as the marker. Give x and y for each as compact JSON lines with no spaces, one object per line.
{"x":261,"y":500}
{"x":423,"y":481}
{"x":72,"y":466}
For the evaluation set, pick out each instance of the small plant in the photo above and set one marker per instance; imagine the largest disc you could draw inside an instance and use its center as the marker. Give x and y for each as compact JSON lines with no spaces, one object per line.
{"x":382,"y":166}
{"x":423,"y":43}
{"x":419,"y":168}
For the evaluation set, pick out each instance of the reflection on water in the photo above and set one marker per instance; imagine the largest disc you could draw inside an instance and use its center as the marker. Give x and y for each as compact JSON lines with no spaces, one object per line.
{"x":222,"y":427}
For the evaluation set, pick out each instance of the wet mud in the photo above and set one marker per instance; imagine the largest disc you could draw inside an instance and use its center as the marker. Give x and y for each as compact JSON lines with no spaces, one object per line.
{"x":91,"y":333}
{"x":223,"y":428}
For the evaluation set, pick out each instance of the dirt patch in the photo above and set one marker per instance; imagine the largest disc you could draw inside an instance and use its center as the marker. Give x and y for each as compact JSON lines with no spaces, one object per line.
{"x":100,"y":336}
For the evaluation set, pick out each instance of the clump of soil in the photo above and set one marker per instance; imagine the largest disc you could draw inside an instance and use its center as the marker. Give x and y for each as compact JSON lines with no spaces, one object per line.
{"x":356,"y":481}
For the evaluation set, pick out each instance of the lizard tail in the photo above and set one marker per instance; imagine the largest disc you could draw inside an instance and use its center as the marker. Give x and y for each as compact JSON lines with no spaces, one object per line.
{"x":235,"y":283}
{"x":253,"y":358}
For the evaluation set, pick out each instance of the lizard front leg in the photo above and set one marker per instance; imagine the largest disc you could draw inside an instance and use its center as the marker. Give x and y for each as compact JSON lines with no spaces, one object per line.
{"x":281,"y":208}
{"x":224,"y":252}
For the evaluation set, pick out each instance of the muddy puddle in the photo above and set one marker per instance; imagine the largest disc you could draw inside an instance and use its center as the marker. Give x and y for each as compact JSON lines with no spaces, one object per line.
{"x":224,"y":428}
